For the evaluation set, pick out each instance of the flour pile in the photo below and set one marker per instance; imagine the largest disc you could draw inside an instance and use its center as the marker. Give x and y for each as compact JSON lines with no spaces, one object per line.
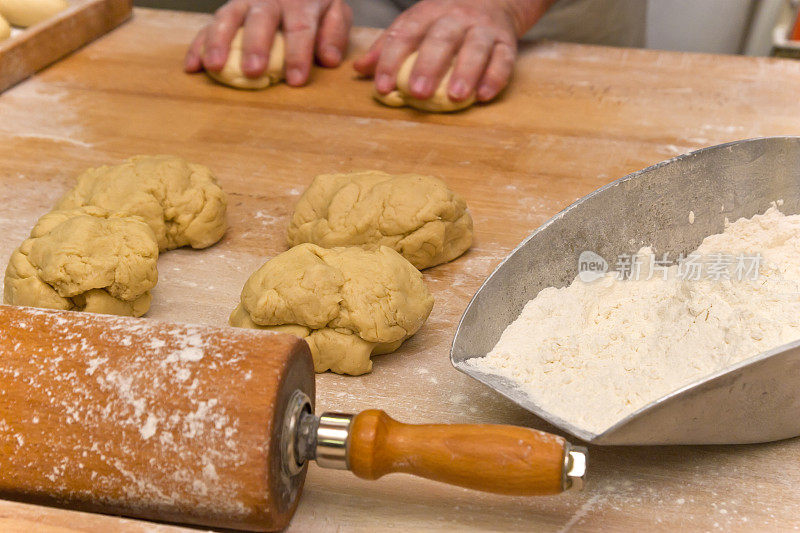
{"x":593,"y":353}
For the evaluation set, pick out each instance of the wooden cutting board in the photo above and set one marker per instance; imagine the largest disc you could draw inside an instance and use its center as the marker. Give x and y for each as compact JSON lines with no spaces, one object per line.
{"x":575,"y":118}
{"x":30,"y":50}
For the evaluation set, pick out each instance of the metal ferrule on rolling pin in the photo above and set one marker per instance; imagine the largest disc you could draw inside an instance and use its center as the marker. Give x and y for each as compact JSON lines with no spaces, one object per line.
{"x":333,"y":436}
{"x":574,"y":467}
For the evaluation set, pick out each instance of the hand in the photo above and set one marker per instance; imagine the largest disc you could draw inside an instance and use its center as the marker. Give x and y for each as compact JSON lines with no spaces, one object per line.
{"x":480,"y":34}
{"x":311,"y":28}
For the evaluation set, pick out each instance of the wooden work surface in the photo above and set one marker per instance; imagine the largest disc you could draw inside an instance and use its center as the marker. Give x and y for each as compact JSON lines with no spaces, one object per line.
{"x":575,"y":118}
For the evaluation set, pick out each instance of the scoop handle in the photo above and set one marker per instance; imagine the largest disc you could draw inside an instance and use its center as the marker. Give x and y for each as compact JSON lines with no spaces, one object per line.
{"x":492,"y":458}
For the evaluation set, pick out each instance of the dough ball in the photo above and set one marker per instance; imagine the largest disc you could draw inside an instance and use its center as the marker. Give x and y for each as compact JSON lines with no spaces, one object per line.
{"x":348,"y":303}
{"x":180,"y":201}
{"x":85,"y":259}
{"x":440,"y":102}
{"x":232,"y":74}
{"x":26,"y":13}
{"x":5,"y":29}
{"x":417,"y":216}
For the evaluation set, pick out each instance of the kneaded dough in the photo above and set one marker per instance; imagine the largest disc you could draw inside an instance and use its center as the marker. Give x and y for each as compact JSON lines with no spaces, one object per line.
{"x":418,"y":216}
{"x":232,"y":74}
{"x":180,"y":201}
{"x":5,"y":29}
{"x":348,"y":303}
{"x":440,"y":102}
{"x":26,"y":13}
{"x":85,"y":259}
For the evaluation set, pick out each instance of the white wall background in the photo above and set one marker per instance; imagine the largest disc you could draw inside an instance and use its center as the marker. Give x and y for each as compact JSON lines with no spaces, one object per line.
{"x":715,"y":26}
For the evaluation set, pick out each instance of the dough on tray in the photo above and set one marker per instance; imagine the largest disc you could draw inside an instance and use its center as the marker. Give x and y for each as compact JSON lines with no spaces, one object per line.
{"x":417,"y":216}
{"x":348,"y":303}
{"x":85,"y":259}
{"x":440,"y":102}
{"x":24,"y":13}
{"x":233,"y":75}
{"x":180,"y":201}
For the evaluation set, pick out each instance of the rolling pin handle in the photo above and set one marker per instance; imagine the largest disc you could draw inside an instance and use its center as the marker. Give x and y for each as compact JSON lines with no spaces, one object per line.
{"x":493,"y":458}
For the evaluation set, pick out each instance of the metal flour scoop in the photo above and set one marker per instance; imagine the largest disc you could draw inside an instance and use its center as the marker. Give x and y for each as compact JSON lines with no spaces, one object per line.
{"x":756,"y":400}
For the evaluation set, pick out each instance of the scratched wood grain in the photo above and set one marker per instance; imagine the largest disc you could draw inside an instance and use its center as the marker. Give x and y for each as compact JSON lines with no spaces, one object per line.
{"x":575,"y":118}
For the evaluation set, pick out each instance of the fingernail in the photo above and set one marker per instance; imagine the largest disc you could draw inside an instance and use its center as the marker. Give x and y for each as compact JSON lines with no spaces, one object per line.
{"x":420,"y":85}
{"x":383,"y":83}
{"x":333,"y":54}
{"x":252,"y":62}
{"x":458,"y":89}
{"x":214,"y":57}
{"x":484,"y":92}
{"x":294,"y":76}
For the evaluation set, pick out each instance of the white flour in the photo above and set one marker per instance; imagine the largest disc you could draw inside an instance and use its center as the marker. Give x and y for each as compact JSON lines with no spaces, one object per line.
{"x":592,"y":353}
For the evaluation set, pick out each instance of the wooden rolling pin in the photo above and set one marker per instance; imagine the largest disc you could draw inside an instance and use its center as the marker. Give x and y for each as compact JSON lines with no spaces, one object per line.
{"x":215,"y":426}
